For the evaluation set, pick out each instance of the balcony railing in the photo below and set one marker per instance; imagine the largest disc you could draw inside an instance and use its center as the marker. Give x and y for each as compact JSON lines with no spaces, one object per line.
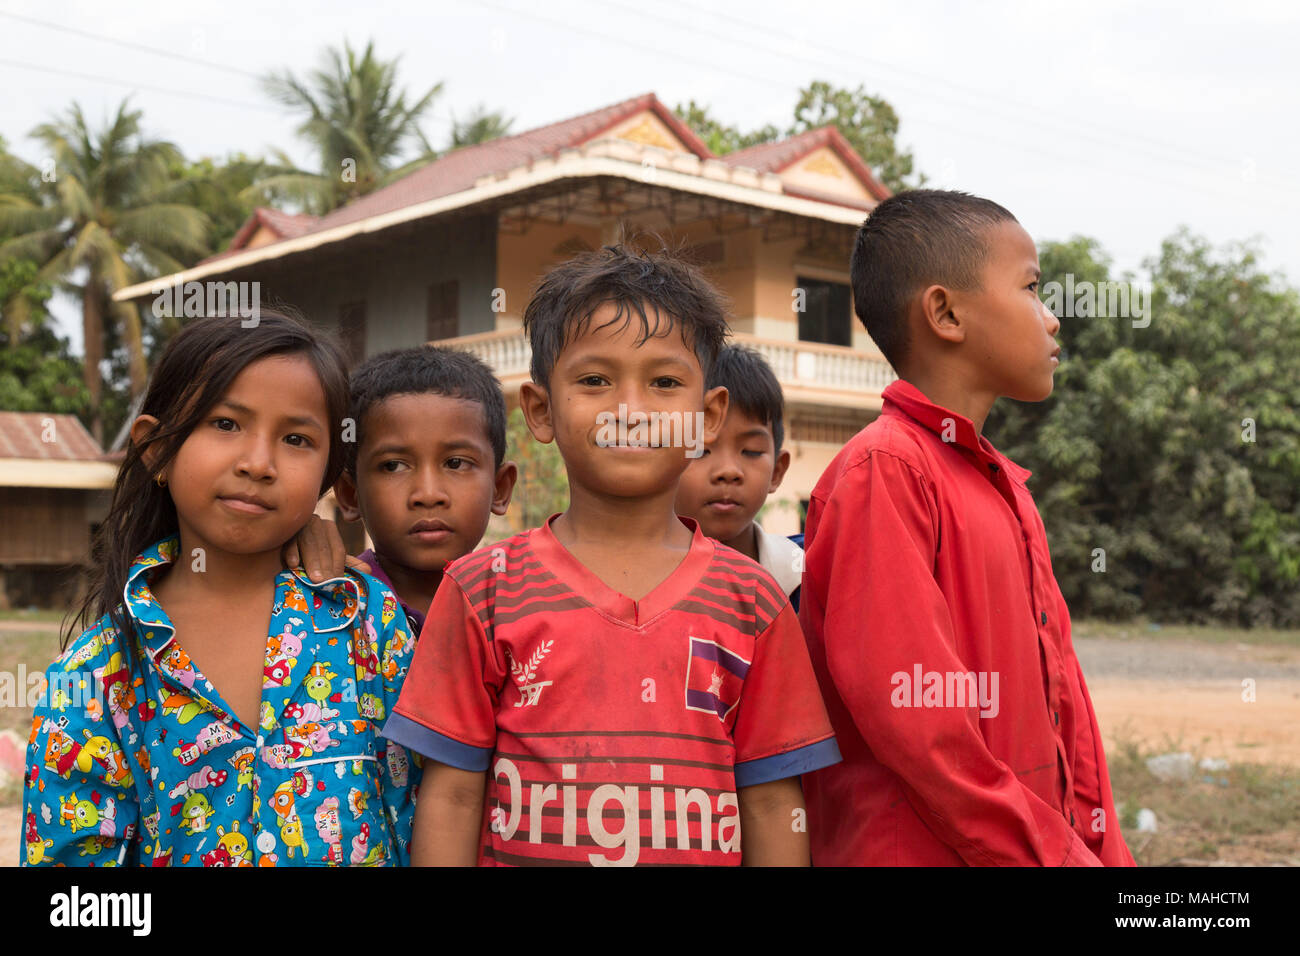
{"x":808,"y":371}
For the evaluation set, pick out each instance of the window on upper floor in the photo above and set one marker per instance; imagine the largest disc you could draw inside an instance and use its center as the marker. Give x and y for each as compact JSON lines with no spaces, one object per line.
{"x":443,"y":311}
{"x":827,"y":314}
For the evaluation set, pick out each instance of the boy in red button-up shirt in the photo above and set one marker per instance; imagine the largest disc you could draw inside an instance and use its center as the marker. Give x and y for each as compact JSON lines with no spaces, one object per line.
{"x":936,"y":628}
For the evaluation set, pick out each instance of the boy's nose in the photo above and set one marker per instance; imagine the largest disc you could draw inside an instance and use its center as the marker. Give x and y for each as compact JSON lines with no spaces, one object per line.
{"x":428,"y":492}
{"x":1053,"y":323}
{"x":724,"y":468}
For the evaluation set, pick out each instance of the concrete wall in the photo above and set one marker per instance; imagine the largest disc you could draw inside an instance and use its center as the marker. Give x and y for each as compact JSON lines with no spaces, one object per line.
{"x":393,"y":279}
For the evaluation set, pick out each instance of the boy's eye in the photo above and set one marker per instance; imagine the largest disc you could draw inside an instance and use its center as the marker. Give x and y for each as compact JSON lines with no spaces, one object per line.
{"x":458,"y":464}
{"x":665,"y":382}
{"x":592,"y":380}
{"x":751,"y":453}
{"x":1033,"y":286}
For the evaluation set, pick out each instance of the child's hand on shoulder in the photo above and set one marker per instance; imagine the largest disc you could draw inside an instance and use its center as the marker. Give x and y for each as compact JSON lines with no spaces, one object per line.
{"x":318,"y":551}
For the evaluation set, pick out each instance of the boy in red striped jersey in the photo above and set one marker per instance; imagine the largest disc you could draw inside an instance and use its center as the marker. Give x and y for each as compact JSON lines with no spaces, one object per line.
{"x":621,"y":688}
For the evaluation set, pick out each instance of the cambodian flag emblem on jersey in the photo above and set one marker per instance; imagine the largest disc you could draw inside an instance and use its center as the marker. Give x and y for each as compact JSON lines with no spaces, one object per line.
{"x":714,"y":678}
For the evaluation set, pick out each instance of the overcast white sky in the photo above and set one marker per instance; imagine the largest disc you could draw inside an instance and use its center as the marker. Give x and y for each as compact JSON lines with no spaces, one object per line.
{"x":1113,"y":119}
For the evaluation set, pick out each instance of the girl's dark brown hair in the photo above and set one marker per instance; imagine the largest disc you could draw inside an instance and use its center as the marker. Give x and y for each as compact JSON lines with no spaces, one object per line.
{"x":195,"y":371}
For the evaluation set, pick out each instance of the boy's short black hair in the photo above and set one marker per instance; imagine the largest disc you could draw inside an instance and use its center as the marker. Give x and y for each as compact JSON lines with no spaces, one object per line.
{"x":641,"y":284}
{"x":433,"y":370}
{"x":752,"y":387}
{"x":912,"y":240}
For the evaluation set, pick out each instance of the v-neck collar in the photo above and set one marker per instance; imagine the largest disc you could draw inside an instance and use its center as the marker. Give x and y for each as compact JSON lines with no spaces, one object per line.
{"x":637,"y":614}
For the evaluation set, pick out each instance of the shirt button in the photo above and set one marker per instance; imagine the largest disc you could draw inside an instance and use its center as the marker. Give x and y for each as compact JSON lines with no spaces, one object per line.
{"x":1056,"y":715}
{"x":1044,"y":617}
{"x":1071,"y":818}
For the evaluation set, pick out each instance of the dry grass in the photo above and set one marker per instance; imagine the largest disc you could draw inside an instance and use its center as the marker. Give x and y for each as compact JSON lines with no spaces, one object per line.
{"x":1244,"y":815}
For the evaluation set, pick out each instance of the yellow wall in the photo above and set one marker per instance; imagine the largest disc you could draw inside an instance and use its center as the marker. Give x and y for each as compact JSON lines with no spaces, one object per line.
{"x":823,"y":171}
{"x":523,"y":260}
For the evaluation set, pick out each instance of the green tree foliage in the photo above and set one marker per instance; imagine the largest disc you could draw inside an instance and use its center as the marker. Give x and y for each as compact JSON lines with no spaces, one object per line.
{"x":222,"y":189}
{"x":36,"y":372}
{"x":480,"y":126}
{"x":543,"y":485}
{"x":1144,"y":448}
{"x":357,"y":121}
{"x":868,"y":122}
{"x":720,"y":138}
{"x":108,"y":212}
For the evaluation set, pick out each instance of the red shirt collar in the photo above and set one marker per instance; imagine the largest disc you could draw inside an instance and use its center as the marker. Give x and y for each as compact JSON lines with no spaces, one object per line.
{"x":583,"y":582}
{"x":905,"y":399}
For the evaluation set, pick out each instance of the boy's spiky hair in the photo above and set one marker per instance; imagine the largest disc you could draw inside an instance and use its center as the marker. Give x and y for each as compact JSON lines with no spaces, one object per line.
{"x":427,"y":369}
{"x":659,"y":289}
{"x":912,"y":240}
{"x":752,"y":387}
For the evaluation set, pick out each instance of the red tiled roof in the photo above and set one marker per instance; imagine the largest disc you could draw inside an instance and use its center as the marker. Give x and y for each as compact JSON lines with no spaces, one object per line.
{"x":286,"y":225}
{"x":21,"y":435}
{"x":459,"y":170}
{"x":774,"y":157}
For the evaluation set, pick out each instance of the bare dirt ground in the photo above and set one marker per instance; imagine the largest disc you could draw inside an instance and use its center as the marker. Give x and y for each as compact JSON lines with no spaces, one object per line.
{"x":1168,"y":695}
{"x":1189,"y":696}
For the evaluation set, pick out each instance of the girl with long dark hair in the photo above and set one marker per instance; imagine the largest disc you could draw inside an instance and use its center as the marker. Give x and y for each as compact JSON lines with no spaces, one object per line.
{"x":218,"y":709}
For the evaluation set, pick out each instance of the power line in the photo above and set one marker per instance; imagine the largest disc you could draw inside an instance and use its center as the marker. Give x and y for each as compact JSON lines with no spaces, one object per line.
{"x":983,"y":98}
{"x":129,"y":44}
{"x":187,"y":94}
{"x":155,"y":51}
{"x":987,"y":103}
{"x":1054,"y":156}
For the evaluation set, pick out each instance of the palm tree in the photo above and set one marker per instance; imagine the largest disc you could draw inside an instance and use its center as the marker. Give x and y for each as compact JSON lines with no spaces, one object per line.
{"x":104,"y":220}
{"x":480,"y":127}
{"x":357,"y":122}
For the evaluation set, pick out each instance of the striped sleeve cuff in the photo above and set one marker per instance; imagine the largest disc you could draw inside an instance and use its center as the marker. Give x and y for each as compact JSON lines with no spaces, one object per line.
{"x":792,"y":763}
{"x":429,"y":743}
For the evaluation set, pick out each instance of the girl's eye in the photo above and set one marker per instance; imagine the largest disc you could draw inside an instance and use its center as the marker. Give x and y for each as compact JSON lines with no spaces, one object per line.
{"x":1033,"y":286}
{"x":222,"y":422}
{"x":391,"y":465}
{"x":298,"y":441}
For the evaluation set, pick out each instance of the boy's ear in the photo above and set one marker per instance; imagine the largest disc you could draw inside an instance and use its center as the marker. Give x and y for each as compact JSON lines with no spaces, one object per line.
{"x":779,"y":469}
{"x":506,"y":477}
{"x":535,"y":403}
{"x":345,"y":493}
{"x":938,"y":314}
{"x":716,"y":401}
{"x":141,"y":429}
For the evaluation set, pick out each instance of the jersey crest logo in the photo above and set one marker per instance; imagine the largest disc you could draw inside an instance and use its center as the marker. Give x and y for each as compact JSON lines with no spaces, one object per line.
{"x":714,"y":678}
{"x":525,"y":674}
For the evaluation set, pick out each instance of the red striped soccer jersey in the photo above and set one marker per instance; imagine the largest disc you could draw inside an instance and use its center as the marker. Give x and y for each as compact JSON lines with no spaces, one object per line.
{"x":613,"y":732}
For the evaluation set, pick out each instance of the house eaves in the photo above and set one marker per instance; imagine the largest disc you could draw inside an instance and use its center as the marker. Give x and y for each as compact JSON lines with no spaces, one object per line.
{"x":609,"y":157}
